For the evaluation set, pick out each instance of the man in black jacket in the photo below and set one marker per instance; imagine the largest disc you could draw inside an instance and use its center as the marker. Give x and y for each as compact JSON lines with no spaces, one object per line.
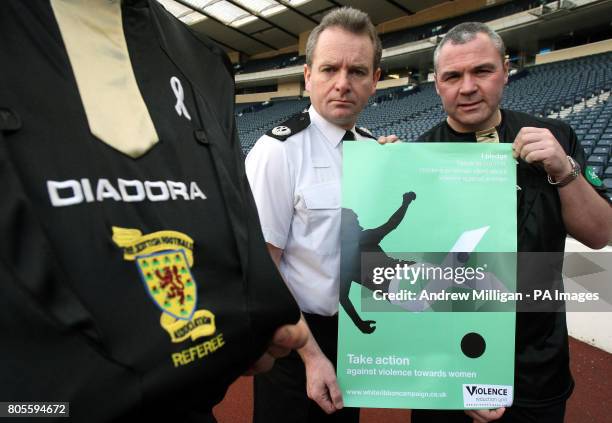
{"x":554,"y":199}
{"x":135,"y":278}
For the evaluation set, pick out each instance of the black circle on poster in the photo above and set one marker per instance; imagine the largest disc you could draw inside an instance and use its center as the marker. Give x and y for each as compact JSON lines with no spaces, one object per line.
{"x":463,"y":257}
{"x":473,"y":345}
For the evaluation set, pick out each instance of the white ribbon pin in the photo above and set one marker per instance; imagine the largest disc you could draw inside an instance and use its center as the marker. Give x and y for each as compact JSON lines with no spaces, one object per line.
{"x":177,"y":88}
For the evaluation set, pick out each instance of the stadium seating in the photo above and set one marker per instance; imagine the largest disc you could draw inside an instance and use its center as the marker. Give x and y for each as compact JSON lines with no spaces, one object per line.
{"x":547,"y":88}
{"x":276,"y":62}
{"x":593,"y":128}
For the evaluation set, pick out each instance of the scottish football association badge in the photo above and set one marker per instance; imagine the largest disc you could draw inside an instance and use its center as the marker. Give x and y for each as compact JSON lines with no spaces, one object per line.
{"x":164,"y":260}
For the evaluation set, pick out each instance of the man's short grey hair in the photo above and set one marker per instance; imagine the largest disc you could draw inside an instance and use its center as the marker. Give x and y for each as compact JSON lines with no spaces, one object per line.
{"x":466,"y":32}
{"x":351,"y":20}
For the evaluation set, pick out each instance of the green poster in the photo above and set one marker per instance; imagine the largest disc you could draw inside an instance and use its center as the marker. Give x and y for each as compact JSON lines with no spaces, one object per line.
{"x":428,"y":275}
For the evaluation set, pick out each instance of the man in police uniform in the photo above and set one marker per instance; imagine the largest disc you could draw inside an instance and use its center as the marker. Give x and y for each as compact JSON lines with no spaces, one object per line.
{"x":554,"y":199}
{"x":135,"y":281}
{"x":295,"y":172}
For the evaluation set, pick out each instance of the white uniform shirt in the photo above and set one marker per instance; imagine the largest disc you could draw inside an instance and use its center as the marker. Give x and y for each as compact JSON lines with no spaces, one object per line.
{"x":297,"y":188}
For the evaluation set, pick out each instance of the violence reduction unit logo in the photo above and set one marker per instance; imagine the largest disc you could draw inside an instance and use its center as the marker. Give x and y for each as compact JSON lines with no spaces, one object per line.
{"x":487,"y":396}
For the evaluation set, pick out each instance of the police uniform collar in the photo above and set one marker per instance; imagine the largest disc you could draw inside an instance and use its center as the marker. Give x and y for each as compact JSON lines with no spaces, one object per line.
{"x":364,"y":132}
{"x":332,"y":133}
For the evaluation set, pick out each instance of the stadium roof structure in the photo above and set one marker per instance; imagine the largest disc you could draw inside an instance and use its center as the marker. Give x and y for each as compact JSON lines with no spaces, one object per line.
{"x":257,"y":26}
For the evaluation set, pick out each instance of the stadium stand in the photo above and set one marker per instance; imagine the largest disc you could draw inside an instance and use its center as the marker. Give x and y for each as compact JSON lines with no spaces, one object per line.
{"x":541,"y":90}
{"x":441,"y":27}
{"x":276,"y":62}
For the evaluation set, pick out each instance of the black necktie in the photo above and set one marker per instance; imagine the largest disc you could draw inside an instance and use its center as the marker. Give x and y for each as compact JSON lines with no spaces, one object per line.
{"x":348,"y":136}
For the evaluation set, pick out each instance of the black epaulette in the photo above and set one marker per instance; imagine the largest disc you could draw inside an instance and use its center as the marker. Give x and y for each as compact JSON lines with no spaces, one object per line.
{"x":291,"y":126}
{"x":364,"y":132}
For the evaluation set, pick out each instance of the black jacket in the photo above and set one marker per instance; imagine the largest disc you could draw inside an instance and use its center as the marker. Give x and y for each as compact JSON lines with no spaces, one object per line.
{"x":78,"y":318}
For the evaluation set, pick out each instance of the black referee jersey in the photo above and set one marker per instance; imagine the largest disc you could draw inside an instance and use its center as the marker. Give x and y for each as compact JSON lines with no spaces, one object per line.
{"x":542,"y":373}
{"x":131,"y":288}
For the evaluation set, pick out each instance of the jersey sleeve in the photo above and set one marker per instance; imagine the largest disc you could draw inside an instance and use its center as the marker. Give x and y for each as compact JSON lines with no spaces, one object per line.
{"x":272,"y":183}
{"x":577,"y":153}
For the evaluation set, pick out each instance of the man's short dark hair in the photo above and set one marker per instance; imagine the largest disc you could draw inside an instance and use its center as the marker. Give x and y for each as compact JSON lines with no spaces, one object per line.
{"x":351,"y":20}
{"x":466,"y":32}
